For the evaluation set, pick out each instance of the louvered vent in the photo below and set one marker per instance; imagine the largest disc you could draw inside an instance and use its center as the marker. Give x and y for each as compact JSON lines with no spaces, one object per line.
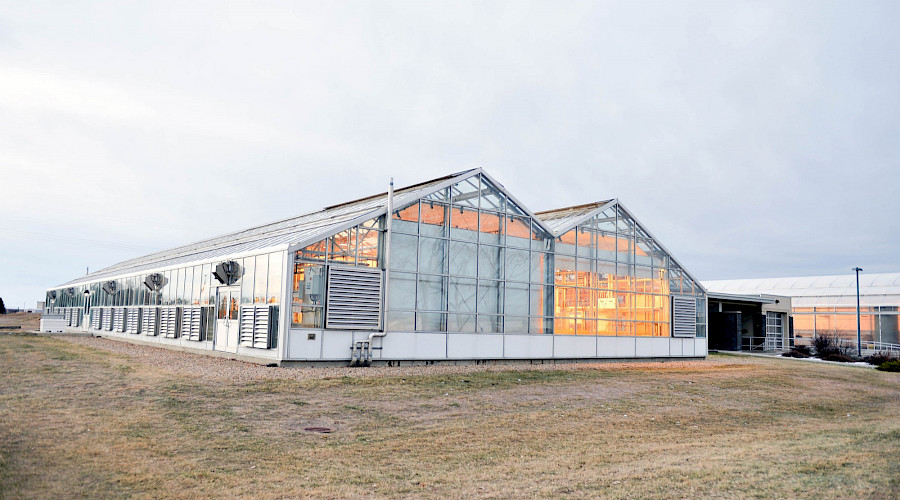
{"x":168,"y":322}
{"x":96,"y":318}
{"x":107,"y":319}
{"x":353,"y":299}
{"x":684,"y":316}
{"x":119,"y":319}
{"x":256,"y":327}
{"x":150,"y":320}
{"x":133,"y":320}
{"x":192,"y":323}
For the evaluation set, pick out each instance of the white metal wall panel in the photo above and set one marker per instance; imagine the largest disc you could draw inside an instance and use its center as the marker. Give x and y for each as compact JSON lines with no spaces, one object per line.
{"x":474,"y":346}
{"x":301,"y":346}
{"x":150,"y":320}
{"x":651,"y":347}
{"x":574,"y":346}
{"x":676,"y":346}
{"x":133,"y":320}
{"x":684,"y":316}
{"x":700,"y":347}
{"x":353,"y":298}
{"x":413,"y":346}
{"x":528,"y":346}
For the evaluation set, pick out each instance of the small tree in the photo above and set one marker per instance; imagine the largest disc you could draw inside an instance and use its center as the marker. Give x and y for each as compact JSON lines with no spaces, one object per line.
{"x":2,"y":306}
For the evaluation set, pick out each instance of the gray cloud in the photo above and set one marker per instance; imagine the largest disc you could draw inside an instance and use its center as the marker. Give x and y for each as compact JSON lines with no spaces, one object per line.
{"x":754,"y":138}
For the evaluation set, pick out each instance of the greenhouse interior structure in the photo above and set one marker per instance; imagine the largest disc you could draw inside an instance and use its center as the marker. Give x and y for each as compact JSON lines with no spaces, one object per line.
{"x":454,"y":269}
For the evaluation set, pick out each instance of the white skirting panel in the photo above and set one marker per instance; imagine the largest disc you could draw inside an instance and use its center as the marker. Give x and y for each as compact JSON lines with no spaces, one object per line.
{"x":335,"y":345}
{"x":574,"y":346}
{"x":414,"y":346}
{"x":527,"y":346}
{"x":474,"y":346}
{"x":652,"y":347}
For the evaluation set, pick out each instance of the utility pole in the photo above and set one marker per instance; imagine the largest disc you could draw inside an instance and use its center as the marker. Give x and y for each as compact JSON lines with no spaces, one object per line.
{"x":858,"y":329}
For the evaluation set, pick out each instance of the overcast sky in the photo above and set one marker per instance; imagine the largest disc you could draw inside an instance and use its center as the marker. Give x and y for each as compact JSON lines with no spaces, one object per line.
{"x":754,"y":139}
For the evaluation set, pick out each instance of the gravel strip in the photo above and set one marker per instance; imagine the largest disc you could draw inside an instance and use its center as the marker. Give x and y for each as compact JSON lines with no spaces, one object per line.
{"x":230,"y":370}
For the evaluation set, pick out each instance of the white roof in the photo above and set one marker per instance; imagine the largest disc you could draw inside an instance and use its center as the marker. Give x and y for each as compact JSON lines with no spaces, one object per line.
{"x":874,"y":289}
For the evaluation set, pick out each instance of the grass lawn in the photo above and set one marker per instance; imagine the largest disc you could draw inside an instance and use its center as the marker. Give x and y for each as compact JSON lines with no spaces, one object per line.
{"x":77,"y":421}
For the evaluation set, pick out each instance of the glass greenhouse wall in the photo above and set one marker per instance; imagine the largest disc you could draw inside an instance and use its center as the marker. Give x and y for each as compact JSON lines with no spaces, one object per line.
{"x":456,"y":269}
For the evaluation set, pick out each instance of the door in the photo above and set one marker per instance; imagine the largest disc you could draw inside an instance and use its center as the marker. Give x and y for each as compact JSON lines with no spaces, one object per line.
{"x":227,"y":320}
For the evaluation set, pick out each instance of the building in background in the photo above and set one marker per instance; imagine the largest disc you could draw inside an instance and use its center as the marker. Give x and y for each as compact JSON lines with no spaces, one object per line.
{"x":453,"y":269}
{"x":826,"y":305}
{"x":749,"y":322}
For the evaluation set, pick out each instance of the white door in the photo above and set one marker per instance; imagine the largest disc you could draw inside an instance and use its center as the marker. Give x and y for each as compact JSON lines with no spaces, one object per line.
{"x":227,"y":320}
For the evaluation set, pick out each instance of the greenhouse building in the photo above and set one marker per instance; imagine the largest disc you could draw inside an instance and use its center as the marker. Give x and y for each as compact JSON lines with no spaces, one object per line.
{"x":460,"y":271}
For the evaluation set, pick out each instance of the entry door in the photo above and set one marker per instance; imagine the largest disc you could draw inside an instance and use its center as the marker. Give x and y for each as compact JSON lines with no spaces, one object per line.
{"x":227,"y":321}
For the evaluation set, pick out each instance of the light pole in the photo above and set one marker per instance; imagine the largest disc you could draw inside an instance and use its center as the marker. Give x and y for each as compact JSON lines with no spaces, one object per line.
{"x":858,"y":334}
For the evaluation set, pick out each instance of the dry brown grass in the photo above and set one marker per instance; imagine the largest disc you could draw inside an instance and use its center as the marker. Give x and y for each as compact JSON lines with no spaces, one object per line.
{"x":26,"y":321}
{"x":76,"y":421}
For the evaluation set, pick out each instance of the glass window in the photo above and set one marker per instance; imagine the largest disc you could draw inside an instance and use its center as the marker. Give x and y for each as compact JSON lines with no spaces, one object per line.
{"x":518,"y":232}
{"x":517,"y":264}
{"x":430,"y":322}
{"x":403,"y":252}
{"x":516,"y":299}
{"x":463,"y":224}
{"x":432,"y":256}
{"x":368,"y":247}
{"x":185,"y":279}
{"x":461,"y":323}
{"x":248,"y":280}
{"x":275,"y":278}
{"x":463,"y":259}
{"x":490,"y":262}
{"x":406,"y":220}
{"x":316,"y":251}
{"x":565,"y":244}
{"x":461,"y":295}
{"x":403,"y":291}
{"x":401,"y":321}
{"x":490,"y":296}
{"x":261,"y":276}
{"x":343,"y":247}
{"x":196,"y":285}
{"x":491,"y":228}
{"x":430,"y":293}
{"x":434,"y":219}
{"x":206,"y":294}
{"x":489,"y":323}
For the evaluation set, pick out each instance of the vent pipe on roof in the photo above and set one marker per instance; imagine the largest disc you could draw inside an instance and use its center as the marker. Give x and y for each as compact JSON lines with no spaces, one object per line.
{"x":386,"y":263}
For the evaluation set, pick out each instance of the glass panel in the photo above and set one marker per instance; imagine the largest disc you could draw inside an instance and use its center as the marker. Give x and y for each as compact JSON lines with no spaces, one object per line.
{"x":179,"y":289}
{"x":463,"y":224}
{"x":605,"y":245}
{"x":367,"y":250}
{"x":489,"y":297}
{"x":564,"y":326}
{"x":586,"y":326}
{"x":607,"y":328}
{"x":518,"y":232}
{"x":434,"y":219}
{"x":606,"y":220}
{"x":625,"y":224}
{"x":196,"y":288}
{"x":565,"y":270}
{"x":461,"y":295}
{"x":461,"y":323}
{"x":490,"y":324}
{"x":440,"y":195}
{"x":565,"y":302}
{"x":233,"y":310}
{"x":403,"y":252}
{"x":491,"y":229}
{"x":429,"y":322}
{"x":516,"y":299}
{"x":625,"y":309}
{"x":586,"y":243}
{"x":515,"y":324}
{"x":643,"y":279}
{"x":490,"y":262}
{"x":586,"y":270}
{"x":463,"y":259}
{"x":624,"y":329}
{"x":517,"y":265}
{"x":565,"y":244}
{"x":206,"y":294}
{"x":644,"y":307}
{"x":465,"y":192}
{"x":248,"y":280}
{"x":273,"y":294}
{"x":401,"y":321}
{"x":432,"y":256}
{"x":491,"y":197}
{"x":261,"y":276}
{"x":406,"y":220}
{"x":343,"y":247}
{"x":541,"y":325}
{"x":430,"y":293}
{"x":540,"y":271}
{"x":402,"y":291}
{"x":643,"y":252}
{"x":642,"y":329}
{"x":540,"y":300}
{"x":316,"y":251}
{"x":624,"y":249}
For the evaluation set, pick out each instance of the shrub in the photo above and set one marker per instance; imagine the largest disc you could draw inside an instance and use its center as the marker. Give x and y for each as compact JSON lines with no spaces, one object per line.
{"x":880,"y":357}
{"x":889,"y":366}
{"x":802,"y":349}
{"x":837,"y":356}
{"x":825,"y":346}
{"x":795,"y":353}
